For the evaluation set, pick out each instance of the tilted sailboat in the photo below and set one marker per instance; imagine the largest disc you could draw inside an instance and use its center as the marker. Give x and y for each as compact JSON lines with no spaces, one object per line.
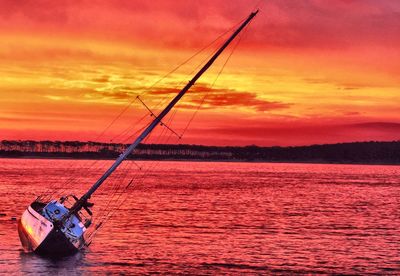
{"x":52,"y":227}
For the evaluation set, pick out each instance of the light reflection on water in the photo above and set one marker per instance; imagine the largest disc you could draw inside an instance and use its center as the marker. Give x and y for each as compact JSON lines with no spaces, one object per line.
{"x":207,"y":218}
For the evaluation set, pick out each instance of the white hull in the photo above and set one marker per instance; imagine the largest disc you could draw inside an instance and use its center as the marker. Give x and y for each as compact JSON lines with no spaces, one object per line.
{"x":39,"y":234}
{"x":37,"y":228}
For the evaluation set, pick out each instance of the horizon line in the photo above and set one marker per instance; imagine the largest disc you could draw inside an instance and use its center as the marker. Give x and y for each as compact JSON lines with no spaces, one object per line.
{"x":234,"y":146}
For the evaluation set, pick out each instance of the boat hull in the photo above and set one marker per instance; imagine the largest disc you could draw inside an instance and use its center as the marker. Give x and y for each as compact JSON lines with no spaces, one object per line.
{"x":56,"y":244}
{"x":41,"y":236}
{"x":33,"y":228}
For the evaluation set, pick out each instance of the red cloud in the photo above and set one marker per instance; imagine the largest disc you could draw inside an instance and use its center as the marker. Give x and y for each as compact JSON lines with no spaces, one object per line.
{"x":213,"y":97}
{"x":222,"y":98}
{"x":240,"y":99}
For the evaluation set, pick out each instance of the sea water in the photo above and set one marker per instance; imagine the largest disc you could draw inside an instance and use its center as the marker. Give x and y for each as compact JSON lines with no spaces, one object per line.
{"x":211,"y":218}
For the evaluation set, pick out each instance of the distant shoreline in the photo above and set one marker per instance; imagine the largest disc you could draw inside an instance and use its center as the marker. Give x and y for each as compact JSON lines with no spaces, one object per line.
{"x":357,"y":153}
{"x":204,"y":161}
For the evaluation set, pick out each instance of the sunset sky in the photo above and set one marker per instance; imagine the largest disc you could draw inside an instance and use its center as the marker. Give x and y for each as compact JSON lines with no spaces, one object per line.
{"x":304,"y":72}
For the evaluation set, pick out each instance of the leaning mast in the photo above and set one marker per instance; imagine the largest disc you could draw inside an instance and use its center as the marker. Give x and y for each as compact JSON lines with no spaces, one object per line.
{"x":83,"y":200}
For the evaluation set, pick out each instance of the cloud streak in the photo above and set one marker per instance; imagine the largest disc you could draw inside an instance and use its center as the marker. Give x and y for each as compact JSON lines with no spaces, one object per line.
{"x":208,"y":98}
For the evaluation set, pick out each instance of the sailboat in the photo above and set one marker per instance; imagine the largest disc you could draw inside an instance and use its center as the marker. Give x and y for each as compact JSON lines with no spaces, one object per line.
{"x":55,"y":228}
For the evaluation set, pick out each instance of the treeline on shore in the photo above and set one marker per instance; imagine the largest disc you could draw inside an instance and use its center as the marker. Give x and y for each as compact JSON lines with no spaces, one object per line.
{"x":357,"y":152}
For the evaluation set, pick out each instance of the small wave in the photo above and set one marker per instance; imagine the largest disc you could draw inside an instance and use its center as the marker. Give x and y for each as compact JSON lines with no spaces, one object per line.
{"x":122,"y":264}
{"x":261,"y":268}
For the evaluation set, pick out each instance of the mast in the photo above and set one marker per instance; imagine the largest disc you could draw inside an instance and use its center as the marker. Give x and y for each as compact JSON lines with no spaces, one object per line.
{"x":82,"y":201}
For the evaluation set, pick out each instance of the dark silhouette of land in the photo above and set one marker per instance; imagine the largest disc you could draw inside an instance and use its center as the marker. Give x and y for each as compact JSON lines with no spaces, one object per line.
{"x":357,"y":152}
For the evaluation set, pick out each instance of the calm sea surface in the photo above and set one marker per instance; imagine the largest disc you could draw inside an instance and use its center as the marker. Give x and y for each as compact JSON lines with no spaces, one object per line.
{"x":216,"y":218}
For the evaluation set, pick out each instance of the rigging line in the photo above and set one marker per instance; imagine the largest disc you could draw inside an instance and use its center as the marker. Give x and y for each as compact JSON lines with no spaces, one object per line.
{"x":140,"y":180}
{"x":119,"y":204}
{"x":115,"y":119}
{"x":155,"y":116}
{"x":195,"y":69}
{"x":102,"y":209}
{"x":167,"y":96}
{"x":57,"y":190}
{"x":87,"y":167}
{"x":163,"y":100}
{"x":129,"y":128}
{"x":152,"y":165}
{"x":122,"y":175}
{"x":131,"y":180}
{"x":113,"y":207}
{"x":148,"y":109}
{"x":170,"y":119}
{"x":115,"y":183}
{"x":165,"y":76}
{"x":54,"y":188}
{"x":111,"y":213}
{"x":205,"y":60}
{"x":115,"y":188}
{"x":135,"y":133}
{"x":211,"y":87}
{"x":194,"y":55}
{"x":73,"y":178}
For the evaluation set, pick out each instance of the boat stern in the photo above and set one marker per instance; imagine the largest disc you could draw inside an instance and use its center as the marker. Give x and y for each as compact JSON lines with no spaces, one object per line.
{"x":39,"y":231}
{"x":33,"y":229}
